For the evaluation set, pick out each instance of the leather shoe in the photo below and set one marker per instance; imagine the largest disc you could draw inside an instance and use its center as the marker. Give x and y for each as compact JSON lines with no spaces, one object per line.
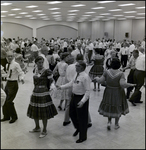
{"x":4,"y":119}
{"x":12,"y":121}
{"x":89,"y":125}
{"x":81,"y":140}
{"x":139,"y":102}
{"x":132,"y":103}
{"x":76,"y":133}
{"x":66,"y":123}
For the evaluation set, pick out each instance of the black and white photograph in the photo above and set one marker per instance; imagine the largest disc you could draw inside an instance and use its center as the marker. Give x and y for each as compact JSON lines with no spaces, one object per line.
{"x":73,"y":74}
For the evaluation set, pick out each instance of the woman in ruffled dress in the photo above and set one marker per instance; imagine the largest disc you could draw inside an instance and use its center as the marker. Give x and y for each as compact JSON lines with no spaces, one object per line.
{"x":61,"y":68}
{"x":114,"y":103}
{"x":97,"y":69}
{"x":41,"y":106}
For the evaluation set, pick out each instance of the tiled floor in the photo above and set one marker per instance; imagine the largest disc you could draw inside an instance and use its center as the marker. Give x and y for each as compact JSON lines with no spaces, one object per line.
{"x":130,"y":135}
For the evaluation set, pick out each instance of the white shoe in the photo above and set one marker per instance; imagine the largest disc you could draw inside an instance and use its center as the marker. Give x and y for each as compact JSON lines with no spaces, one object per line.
{"x":117,"y":126}
{"x":43,"y":134}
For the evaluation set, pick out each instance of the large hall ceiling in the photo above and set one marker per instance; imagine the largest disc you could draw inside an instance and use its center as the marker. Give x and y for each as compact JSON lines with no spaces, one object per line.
{"x":91,"y":11}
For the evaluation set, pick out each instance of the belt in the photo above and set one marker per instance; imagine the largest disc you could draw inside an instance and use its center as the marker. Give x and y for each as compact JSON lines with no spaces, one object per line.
{"x":40,"y":86}
{"x":12,"y":80}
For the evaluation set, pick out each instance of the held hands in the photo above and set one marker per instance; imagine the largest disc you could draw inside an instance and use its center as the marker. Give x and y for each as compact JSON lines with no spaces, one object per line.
{"x":95,"y":79}
{"x":80,"y":104}
{"x":58,"y":87}
{"x":22,"y":81}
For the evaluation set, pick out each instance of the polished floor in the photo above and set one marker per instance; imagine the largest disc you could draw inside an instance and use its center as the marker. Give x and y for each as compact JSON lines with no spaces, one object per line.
{"x":130,"y":135}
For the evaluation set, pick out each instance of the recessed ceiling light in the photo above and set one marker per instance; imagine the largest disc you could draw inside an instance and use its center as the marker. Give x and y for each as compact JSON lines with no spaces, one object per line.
{"x":71,"y":14}
{"x":28,"y":16}
{"x":130,"y":12}
{"x":78,"y":5}
{"x":23,"y":13}
{"x":41,"y":14}
{"x":55,"y":13}
{"x":11,"y":14}
{"x":3,"y":16}
{"x":97,"y":7}
{"x":117,"y":15}
{"x":102,"y":2}
{"x":31,"y":6}
{"x":115,"y":10}
{"x":105,"y":14}
{"x":129,"y":16}
{"x":4,"y":11}
{"x":6,"y":4}
{"x":16,"y":9}
{"x":92,"y":12}
{"x":37,"y":11}
{"x":33,"y":18}
{"x":105,"y":19}
{"x":99,"y":16}
{"x":73,"y":10}
{"x":86,"y":15}
{"x":53,"y":8}
{"x":44,"y":17}
{"x":130,"y":4}
{"x":54,"y":2}
{"x":139,"y":17}
{"x":18,"y":17}
{"x":140,"y":7}
{"x":140,"y":13}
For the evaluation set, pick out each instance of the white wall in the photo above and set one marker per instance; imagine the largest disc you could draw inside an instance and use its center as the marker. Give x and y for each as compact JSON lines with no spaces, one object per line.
{"x":116,"y":29}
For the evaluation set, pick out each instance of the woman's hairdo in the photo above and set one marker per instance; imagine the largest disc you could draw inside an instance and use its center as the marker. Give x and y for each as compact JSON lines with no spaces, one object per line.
{"x":82,"y":63}
{"x":39,"y":58}
{"x":115,"y":63}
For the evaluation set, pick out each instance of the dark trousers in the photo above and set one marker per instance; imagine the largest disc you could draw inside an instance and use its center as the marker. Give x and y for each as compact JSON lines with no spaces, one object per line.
{"x":130,"y":79}
{"x":138,"y":80}
{"x":124,"y":59}
{"x":8,"y":107}
{"x":79,"y":116}
{"x":89,"y":55}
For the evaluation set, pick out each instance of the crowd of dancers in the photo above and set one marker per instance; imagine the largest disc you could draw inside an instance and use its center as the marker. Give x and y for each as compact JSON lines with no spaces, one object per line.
{"x":60,"y":69}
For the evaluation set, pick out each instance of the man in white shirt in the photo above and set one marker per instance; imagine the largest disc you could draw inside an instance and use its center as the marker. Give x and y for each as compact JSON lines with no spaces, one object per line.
{"x":13,"y":71}
{"x":131,"y":48}
{"x":34,"y":50}
{"x":78,"y":50}
{"x":80,"y":101}
{"x":124,"y":54}
{"x":139,"y":73}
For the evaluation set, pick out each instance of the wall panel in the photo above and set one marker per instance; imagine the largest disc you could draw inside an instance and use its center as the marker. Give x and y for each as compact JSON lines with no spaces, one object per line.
{"x":53,"y":31}
{"x":13,"y":30}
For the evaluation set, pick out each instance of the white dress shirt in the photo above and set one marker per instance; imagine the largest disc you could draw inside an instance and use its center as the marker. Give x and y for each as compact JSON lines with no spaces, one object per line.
{"x":81,"y":86}
{"x":140,"y":62}
{"x":124,"y":51}
{"x":34,"y":48}
{"x":74,"y":53}
{"x":14,"y":71}
{"x":131,"y":48}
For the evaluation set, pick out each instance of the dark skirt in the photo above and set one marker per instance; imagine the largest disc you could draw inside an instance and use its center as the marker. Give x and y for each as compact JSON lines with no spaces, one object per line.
{"x":41,"y":106}
{"x":114,"y":103}
{"x":96,"y":70}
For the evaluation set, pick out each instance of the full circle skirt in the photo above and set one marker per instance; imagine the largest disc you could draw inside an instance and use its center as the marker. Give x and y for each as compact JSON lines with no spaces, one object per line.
{"x":114,"y":103}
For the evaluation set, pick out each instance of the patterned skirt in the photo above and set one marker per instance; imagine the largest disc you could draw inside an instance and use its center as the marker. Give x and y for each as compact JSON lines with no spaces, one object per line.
{"x":96,"y":70}
{"x":114,"y":103}
{"x":61,"y":94}
{"x":41,"y":106}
